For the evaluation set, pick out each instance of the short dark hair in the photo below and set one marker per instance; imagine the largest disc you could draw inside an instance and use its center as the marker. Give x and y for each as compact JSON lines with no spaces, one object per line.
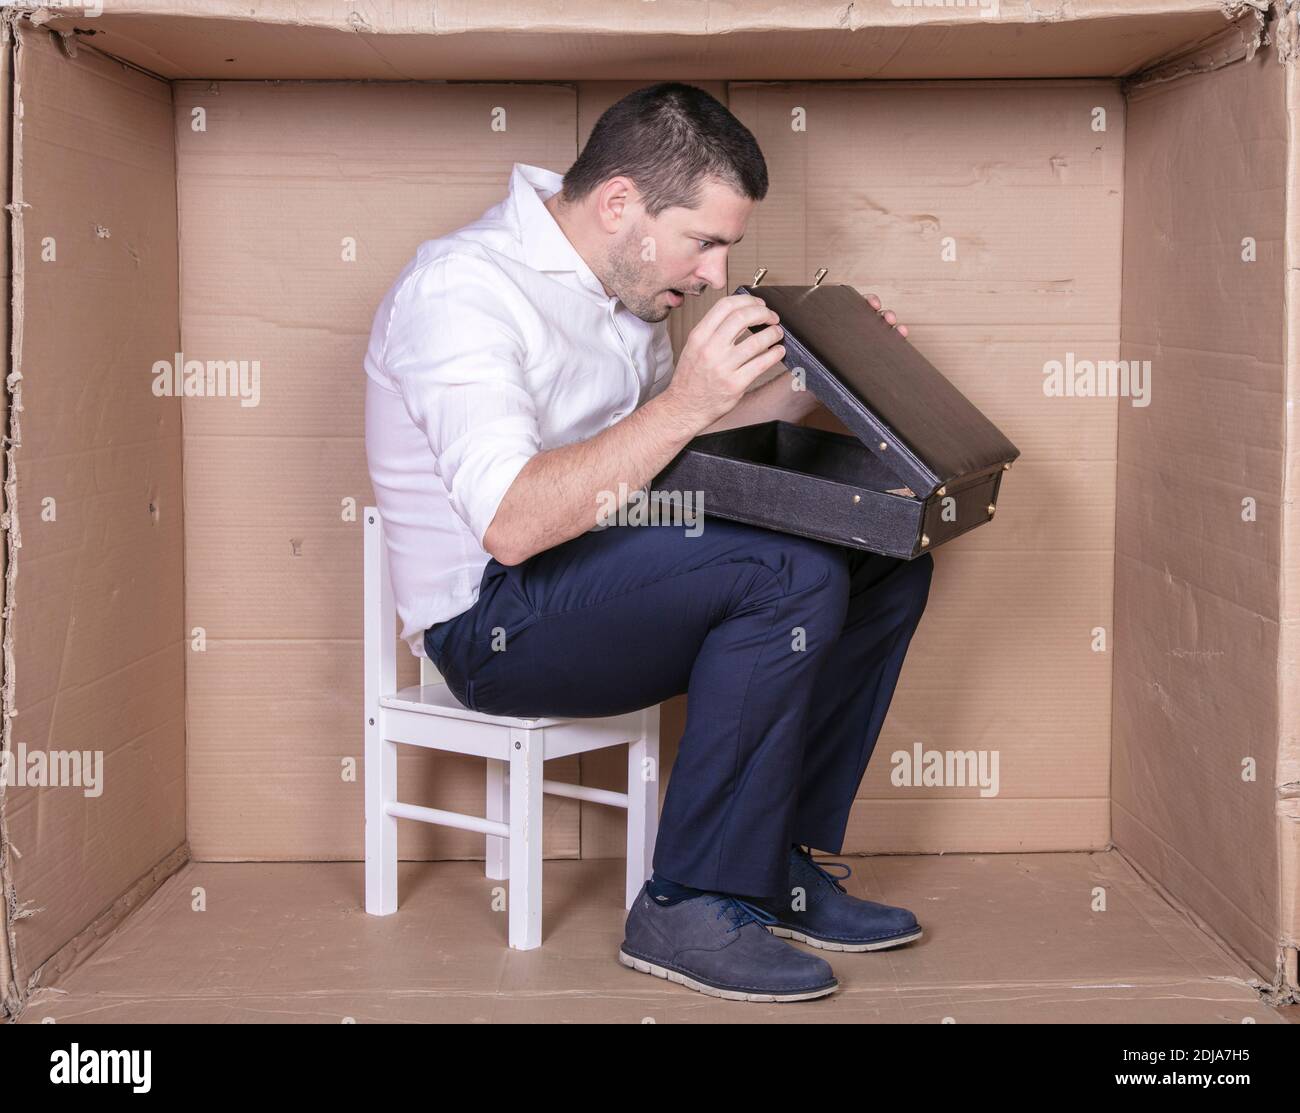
{"x":669,"y":138}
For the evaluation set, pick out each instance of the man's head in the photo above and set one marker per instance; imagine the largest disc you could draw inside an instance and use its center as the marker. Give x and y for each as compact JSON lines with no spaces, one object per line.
{"x":665,"y":183}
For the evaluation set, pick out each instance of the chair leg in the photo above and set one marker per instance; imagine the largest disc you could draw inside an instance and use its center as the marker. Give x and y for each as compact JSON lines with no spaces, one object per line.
{"x":527,"y":749}
{"x":642,"y":803}
{"x":497,"y":863}
{"x":381,"y":828}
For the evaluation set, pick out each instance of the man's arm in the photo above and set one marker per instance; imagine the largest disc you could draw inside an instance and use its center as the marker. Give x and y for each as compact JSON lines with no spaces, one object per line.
{"x":556,"y":495}
{"x":773,"y":401}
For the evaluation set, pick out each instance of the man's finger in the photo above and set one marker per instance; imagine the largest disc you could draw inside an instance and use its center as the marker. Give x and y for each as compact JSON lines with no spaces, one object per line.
{"x":766,"y":359}
{"x":739,"y":319}
{"x":755,"y":343}
{"x":720,"y":310}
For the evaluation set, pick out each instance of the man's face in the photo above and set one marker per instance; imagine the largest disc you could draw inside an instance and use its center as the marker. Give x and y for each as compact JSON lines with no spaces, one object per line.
{"x":653,"y":265}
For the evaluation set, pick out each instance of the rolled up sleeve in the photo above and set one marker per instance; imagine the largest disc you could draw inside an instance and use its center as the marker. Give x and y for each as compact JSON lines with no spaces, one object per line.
{"x":456,"y":355}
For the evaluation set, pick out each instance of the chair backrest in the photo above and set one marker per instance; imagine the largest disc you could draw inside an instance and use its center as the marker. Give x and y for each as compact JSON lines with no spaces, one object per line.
{"x":381,"y":614}
{"x":429,"y":673}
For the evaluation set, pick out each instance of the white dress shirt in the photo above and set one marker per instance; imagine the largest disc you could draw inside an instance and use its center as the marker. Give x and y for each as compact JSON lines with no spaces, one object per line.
{"x":494,"y":343}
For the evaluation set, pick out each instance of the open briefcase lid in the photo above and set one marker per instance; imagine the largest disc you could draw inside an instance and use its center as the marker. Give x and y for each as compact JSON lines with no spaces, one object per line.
{"x":882,"y":388}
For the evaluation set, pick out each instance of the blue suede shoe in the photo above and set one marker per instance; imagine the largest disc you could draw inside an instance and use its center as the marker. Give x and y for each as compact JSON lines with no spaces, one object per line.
{"x":831,"y":919}
{"x":716,"y":944}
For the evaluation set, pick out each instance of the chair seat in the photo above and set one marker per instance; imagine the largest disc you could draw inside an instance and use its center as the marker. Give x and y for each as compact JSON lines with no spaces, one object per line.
{"x":476,"y":732}
{"x":437,"y":699}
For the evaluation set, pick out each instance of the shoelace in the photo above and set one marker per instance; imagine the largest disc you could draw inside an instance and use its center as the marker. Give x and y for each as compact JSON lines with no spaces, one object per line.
{"x":834,"y":879}
{"x":743,"y":911}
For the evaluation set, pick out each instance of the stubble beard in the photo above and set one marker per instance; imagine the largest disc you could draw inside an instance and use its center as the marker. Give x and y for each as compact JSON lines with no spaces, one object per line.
{"x":634,"y":282}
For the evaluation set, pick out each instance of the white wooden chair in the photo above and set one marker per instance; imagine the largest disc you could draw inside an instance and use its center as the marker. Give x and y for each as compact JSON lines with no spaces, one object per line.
{"x":429,"y":715}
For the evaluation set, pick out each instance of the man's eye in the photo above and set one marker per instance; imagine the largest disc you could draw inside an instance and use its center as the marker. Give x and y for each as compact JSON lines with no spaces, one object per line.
{"x":704,"y":244}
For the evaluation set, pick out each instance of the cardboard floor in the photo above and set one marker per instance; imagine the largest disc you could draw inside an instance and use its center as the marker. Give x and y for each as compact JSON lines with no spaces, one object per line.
{"x":1010,"y":938}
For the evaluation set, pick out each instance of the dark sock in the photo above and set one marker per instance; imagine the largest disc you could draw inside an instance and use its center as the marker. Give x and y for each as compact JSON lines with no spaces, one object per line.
{"x":666,"y":892}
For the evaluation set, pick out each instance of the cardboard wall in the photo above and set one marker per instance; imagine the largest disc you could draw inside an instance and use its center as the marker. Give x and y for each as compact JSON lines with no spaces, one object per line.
{"x":99,"y":658}
{"x":277,"y":184}
{"x":273,"y":179}
{"x":1197,"y":583}
{"x":988,"y":216}
{"x":1288,"y":680}
{"x":1031,"y":199}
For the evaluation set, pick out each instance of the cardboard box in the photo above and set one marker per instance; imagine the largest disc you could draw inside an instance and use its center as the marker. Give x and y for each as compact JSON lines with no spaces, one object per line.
{"x":923,"y":465}
{"x":1030,"y":189}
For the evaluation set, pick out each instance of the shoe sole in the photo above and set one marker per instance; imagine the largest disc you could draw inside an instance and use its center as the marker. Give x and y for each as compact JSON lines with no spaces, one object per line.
{"x":644,"y":966}
{"x":831,"y":945}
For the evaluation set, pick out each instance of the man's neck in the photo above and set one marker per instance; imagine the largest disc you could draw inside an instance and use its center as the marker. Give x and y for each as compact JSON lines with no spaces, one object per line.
{"x":552,"y":205}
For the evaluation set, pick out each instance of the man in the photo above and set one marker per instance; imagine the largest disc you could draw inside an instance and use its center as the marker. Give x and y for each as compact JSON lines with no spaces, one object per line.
{"x":519,"y":370}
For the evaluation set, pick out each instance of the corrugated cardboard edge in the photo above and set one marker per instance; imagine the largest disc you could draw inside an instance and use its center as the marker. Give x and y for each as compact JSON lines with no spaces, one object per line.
{"x":760,"y":39}
{"x":10,"y":1000}
{"x":1288,"y":666}
{"x":1238,"y":42}
{"x":1286,"y":31}
{"x":1277,"y":993}
{"x":87,"y":941}
{"x":397,"y":17}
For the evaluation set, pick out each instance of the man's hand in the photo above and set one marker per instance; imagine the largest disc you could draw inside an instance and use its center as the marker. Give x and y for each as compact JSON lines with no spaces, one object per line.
{"x":888,"y":314}
{"x":778,"y":400}
{"x":714,"y":371}
{"x":558,"y":493}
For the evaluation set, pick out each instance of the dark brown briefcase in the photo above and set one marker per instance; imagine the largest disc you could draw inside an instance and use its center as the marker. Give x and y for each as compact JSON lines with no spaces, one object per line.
{"x":923,"y":465}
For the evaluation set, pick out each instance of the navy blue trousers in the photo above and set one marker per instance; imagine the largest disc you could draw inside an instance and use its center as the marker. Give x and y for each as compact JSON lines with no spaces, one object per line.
{"x":788,"y":650}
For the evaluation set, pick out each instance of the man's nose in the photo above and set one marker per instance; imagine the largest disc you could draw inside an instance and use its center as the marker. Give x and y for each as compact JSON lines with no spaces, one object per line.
{"x":714,"y":271}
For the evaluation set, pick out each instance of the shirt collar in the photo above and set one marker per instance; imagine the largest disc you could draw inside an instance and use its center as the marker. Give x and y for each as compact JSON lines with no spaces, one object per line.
{"x":546,"y":247}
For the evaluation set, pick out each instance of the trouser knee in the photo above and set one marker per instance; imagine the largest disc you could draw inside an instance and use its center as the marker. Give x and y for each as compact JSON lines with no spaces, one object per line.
{"x":919,"y":573}
{"x":815,"y":577}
